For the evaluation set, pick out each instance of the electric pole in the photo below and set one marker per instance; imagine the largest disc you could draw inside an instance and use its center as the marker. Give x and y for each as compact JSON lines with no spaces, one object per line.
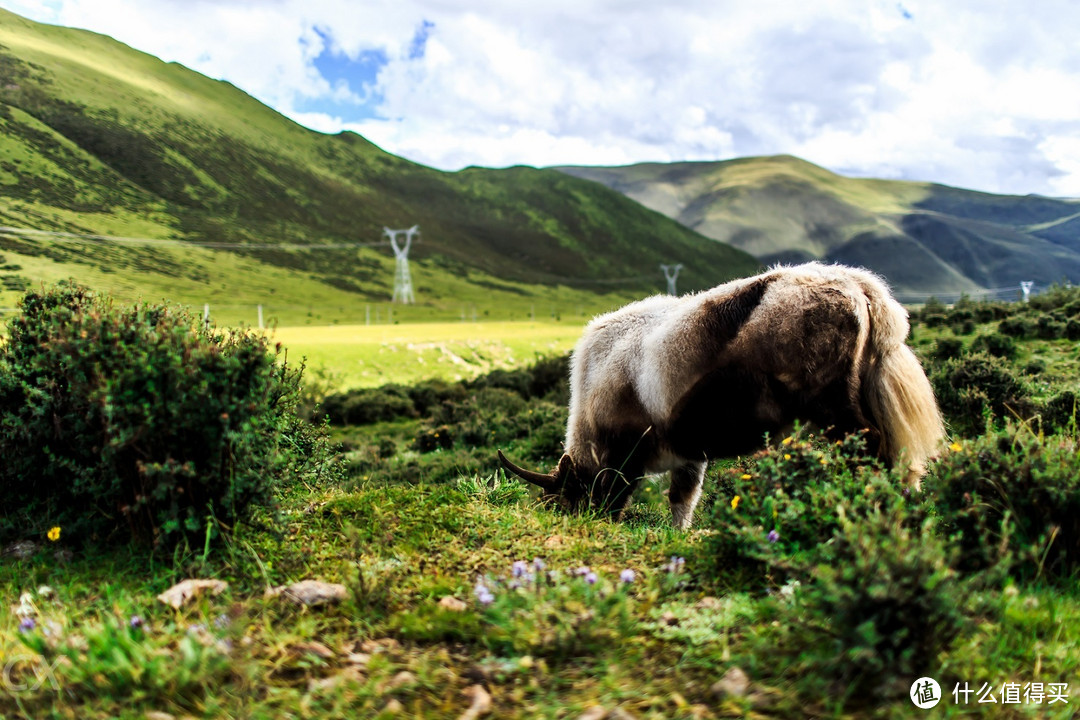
{"x":671,"y":272}
{"x":403,"y":291}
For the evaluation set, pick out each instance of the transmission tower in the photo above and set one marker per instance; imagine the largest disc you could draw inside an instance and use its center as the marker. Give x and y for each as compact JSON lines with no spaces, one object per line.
{"x":1025,"y":287}
{"x":403,"y":291}
{"x":671,"y":272}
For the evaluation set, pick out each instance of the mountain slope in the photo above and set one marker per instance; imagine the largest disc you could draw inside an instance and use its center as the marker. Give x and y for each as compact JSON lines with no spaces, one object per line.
{"x":98,"y":138}
{"x":922,"y":237}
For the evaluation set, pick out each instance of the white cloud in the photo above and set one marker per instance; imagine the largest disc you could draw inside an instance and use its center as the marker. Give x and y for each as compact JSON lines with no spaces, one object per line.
{"x":982,"y":94}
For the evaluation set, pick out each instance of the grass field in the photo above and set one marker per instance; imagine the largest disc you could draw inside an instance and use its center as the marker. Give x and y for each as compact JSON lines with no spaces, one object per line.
{"x":348,"y":356}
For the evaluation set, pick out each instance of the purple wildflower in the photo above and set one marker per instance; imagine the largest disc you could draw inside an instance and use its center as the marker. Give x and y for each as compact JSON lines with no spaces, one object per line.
{"x":773,"y":535}
{"x":27,"y":624}
{"x":628,"y":576}
{"x":591,"y":578}
{"x":539,"y":564}
{"x":583,"y":570}
{"x":136,"y":622}
{"x":483,"y":594}
{"x":519,"y":568}
{"x":675,"y":565}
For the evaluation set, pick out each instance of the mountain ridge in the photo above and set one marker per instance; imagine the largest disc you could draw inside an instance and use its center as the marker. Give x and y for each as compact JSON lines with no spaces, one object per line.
{"x":921,"y":236}
{"x":99,"y":139}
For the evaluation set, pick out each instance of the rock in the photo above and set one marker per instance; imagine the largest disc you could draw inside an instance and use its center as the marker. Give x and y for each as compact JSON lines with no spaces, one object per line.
{"x":311,"y":592}
{"x":158,"y":715}
{"x":452,"y":604}
{"x":381,"y":645}
{"x":402,"y":679}
{"x":359,"y":659}
{"x":481,"y":702}
{"x":735,"y":683}
{"x":394,"y":707}
{"x":594,"y":713}
{"x":313,"y":648}
{"x":184,"y":592}
{"x":21,"y":550}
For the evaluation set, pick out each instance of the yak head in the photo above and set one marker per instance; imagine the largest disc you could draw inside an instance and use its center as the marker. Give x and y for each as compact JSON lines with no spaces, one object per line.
{"x":579,"y":486}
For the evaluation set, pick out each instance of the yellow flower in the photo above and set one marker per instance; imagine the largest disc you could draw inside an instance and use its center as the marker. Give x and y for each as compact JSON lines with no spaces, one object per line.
{"x":54,"y":533}
{"x":747,"y":476}
{"x":735,"y":502}
{"x":824,"y":461}
{"x":955,"y":447}
{"x":787,"y":440}
{"x":786,"y":456}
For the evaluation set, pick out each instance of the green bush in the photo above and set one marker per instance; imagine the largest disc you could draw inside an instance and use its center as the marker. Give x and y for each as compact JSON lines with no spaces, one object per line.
{"x":873,"y":608}
{"x":139,"y":422}
{"x":978,"y":387}
{"x":947,"y":348}
{"x":784,"y":503}
{"x":996,"y":344}
{"x":1012,"y":493}
{"x":369,"y":405}
{"x":1016,"y":326}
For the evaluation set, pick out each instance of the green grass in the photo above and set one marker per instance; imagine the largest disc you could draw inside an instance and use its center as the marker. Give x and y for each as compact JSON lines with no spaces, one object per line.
{"x":408,"y":528}
{"x":372,"y":355}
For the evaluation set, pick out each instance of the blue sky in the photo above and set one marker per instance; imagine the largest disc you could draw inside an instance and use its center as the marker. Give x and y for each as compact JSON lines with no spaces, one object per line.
{"x":982,"y":94}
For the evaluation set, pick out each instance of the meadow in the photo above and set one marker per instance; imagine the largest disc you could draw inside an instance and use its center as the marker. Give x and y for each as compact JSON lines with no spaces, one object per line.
{"x":813,"y":584}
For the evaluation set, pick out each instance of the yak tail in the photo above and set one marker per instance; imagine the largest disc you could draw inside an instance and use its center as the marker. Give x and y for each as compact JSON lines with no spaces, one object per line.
{"x":895,"y":387}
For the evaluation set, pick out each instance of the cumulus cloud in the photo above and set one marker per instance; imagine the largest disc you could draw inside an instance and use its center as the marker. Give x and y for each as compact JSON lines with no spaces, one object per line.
{"x":982,"y":94}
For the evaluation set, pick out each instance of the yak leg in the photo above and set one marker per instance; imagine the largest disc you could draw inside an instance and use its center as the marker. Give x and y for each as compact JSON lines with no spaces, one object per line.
{"x":685,"y":491}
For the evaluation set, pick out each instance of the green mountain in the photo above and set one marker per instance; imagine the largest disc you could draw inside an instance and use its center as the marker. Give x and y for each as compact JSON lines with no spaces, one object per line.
{"x":924,"y":238}
{"x":247,"y":206}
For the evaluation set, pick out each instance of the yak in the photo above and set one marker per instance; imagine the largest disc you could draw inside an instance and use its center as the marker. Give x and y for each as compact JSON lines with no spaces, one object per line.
{"x":668,"y":383}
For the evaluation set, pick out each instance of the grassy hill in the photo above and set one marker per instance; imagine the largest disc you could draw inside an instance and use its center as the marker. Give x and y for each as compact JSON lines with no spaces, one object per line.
{"x":98,"y":138}
{"x":923,"y":237}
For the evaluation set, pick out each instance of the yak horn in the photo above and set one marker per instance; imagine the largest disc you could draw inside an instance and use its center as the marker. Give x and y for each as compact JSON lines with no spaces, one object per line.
{"x":544,"y":480}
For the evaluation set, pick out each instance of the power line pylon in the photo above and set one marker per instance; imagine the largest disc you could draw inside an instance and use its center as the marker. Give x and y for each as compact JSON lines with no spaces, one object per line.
{"x":403,"y":292}
{"x":671,"y":272}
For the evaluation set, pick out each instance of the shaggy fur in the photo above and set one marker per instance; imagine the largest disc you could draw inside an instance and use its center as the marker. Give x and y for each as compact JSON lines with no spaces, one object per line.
{"x":668,"y":383}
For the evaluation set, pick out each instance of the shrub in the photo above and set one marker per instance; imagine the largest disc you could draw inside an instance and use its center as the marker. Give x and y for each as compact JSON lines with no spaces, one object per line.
{"x":1016,"y":493}
{"x":141,"y":422}
{"x":1016,"y":326}
{"x":369,"y":405}
{"x":947,"y":348}
{"x":1059,"y":413}
{"x":1072,"y":329}
{"x":784,"y":504}
{"x":1002,"y":346}
{"x":1048,"y":327}
{"x":976,"y":387}
{"x":874,"y":607}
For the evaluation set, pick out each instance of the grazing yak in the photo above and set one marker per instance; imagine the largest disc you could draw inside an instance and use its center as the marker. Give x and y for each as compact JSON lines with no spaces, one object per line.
{"x":667,"y":383}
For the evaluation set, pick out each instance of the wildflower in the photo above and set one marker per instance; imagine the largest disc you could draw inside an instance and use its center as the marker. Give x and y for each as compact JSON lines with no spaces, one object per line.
{"x":675,"y":565}
{"x":583,"y":570}
{"x":136,"y":622}
{"x":54,"y":533}
{"x":824,"y":461}
{"x":747,"y":476}
{"x":519,"y":568}
{"x":956,"y":447}
{"x":591,"y":578}
{"x":627,"y":576}
{"x":787,"y":456}
{"x":735,"y":502}
{"x":787,"y":440}
{"x":45,"y":591}
{"x":27,"y":624}
{"x":539,"y":564}
{"x":483,"y":594}
{"x":773,"y":535}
